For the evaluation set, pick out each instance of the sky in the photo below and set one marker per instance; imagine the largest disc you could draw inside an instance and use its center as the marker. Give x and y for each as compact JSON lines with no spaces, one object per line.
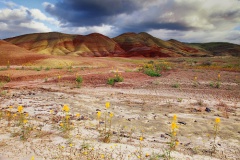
{"x":183,"y":20}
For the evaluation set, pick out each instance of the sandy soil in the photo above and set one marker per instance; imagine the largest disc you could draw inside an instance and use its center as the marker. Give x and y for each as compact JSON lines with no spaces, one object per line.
{"x":142,"y":105}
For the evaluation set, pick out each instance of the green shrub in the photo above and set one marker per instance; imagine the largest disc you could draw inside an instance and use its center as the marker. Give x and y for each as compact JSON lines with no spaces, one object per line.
{"x":47,"y":68}
{"x":38,"y":69}
{"x":152,"y":73}
{"x":79,"y":81}
{"x":176,"y":85}
{"x":110,"y":81}
{"x":215,"y":85}
{"x":153,"y":69}
{"x":117,"y":78}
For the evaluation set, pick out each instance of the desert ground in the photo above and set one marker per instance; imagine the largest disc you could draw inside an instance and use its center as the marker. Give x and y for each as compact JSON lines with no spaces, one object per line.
{"x":196,"y":90}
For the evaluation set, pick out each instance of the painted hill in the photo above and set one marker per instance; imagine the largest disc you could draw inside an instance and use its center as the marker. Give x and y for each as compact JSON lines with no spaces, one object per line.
{"x":124,"y":45}
{"x":16,"y":55}
{"x":55,"y":43}
{"x":219,"y":48}
{"x":143,"y":44}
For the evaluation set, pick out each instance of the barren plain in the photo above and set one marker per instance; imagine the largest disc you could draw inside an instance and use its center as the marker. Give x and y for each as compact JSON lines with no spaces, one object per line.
{"x":196,"y":90}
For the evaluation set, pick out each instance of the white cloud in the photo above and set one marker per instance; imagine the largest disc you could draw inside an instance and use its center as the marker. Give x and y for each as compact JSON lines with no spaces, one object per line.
{"x":38,"y":26}
{"x":198,"y":36}
{"x":103,"y":29}
{"x":13,"y":14}
{"x":38,"y":15}
{"x":9,"y":3}
{"x":3,"y":26}
{"x":22,"y":20}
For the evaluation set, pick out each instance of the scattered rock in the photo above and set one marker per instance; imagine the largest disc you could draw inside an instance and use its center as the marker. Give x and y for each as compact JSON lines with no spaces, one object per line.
{"x":208,"y":109}
{"x":187,"y":144}
{"x":181,"y":122}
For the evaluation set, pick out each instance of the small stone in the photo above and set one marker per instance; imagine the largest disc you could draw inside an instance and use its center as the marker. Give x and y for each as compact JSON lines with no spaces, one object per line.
{"x":208,"y":109}
{"x":180,"y":122}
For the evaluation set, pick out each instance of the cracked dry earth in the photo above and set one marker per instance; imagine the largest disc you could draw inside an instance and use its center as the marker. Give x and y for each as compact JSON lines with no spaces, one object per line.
{"x":141,"y":110}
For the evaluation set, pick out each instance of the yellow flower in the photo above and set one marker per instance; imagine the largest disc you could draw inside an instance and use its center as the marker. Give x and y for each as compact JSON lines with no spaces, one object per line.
{"x":174,"y":125}
{"x":111,"y":115}
{"x":61,"y":124}
{"x":98,"y":114}
{"x":219,"y":76}
{"x":51,"y":111}
{"x":217,"y":120}
{"x":70,"y":145}
{"x":174,"y":133}
{"x":141,"y":138}
{"x":67,"y":117}
{"x":15,"y":115}
{"x":174,"y":117}
{"x":176,"y":143}
{"x":32,"y":158}
{"x":26,"y":114}
{"x":85,"y":153}
{"x":77,"y":115}
{"x":147,"y":155}
{"x":8,"y":114}
{"x":25,"y":121}
{"x":102,"y":156}
{"x":20,"y":109}
{"x":10,"y":107}
{"x":107,"y":105}
{"x":65,"y":108}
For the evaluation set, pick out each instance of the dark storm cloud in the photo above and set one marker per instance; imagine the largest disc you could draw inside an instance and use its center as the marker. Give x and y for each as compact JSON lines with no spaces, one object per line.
{"x":141,"y":15}
{"x":90,"y":12}
{"x":154,"y":25}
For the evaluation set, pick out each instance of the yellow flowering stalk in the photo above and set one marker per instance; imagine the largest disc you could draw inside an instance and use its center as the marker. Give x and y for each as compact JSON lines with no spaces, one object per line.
{"x":219,"y":76}
{"x":217,"y":120}
{"x":174,"y":142}
{"x":77,"y":115}
{"x":65,"y":108}
{"x":25,"y":121}
{"x":20,"y":109}
{"x":111,"y":114}
{"x":98,"y":117}
{"x":98,"y":114}
{"x":107,"y":105}
{"x":65,"y":124}
{"x":216,"y":131}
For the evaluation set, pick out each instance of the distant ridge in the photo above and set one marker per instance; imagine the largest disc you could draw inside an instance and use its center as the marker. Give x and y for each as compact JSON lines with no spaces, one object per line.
{"x":55,"y":43}
{"x":220,"y":48}
{"x":144,"y":44}
{"x":125,"y":45}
